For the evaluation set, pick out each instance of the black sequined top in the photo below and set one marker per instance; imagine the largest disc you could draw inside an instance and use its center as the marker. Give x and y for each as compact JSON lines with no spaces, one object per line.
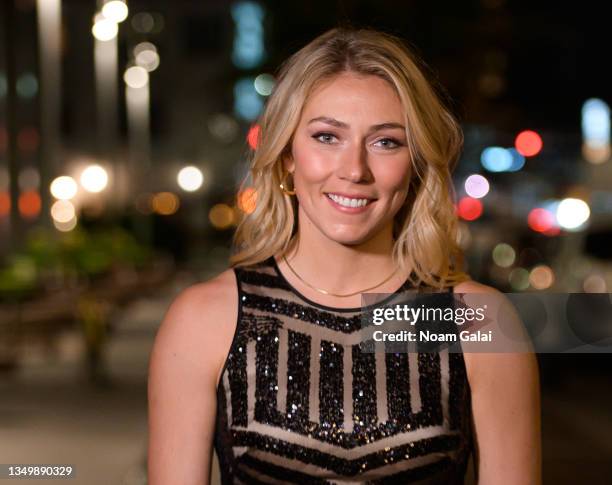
{"x":299,"y":402}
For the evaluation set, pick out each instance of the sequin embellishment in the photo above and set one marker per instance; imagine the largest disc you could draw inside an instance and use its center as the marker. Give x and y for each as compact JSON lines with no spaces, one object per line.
{"x":298,"y":402}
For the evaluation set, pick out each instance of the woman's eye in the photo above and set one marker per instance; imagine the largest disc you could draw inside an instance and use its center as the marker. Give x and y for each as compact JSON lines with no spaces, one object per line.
{"x":389,"y":143}
{"x":324,"y":137}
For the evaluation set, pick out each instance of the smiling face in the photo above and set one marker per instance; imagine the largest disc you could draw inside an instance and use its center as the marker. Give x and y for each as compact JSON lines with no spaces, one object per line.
{"x":350,"y":160}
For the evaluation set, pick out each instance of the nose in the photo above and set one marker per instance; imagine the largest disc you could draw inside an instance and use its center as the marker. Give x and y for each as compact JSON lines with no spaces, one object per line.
{"x":354,"y":165}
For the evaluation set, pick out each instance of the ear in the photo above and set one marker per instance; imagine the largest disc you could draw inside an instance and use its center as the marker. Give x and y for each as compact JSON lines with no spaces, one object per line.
{"x":288,"y":162}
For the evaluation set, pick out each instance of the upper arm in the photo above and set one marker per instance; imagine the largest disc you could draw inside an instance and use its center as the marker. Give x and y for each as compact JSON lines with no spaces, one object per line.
{"x":506,"y":409}
{"x":187,"y":356}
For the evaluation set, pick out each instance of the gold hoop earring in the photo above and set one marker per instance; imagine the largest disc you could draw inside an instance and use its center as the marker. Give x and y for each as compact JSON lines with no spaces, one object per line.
{"x":283,"y":186}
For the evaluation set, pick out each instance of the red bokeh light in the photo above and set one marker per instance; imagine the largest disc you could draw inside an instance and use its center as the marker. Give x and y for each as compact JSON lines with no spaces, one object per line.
{"x":253,"y":136}
{"x":469,"y":208}
{"x":541,"y":220}
{"x":528,"y":143}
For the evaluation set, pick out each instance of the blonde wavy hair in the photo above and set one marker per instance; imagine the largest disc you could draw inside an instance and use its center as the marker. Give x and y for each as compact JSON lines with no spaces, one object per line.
{"x":425,"y":228}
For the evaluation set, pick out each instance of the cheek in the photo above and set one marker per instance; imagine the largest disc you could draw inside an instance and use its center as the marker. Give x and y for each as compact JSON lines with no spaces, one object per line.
{"x":395,"y":182}
{"x":310,"y":164}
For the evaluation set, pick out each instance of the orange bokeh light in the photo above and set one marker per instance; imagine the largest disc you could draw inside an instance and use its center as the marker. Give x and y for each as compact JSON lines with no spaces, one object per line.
{"x":5,"y":204}
{"x":29,"y":204}
{"x":247,"y":200}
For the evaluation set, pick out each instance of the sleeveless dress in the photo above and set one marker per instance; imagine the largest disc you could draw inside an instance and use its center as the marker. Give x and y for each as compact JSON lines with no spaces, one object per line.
{"x":298,"y":402}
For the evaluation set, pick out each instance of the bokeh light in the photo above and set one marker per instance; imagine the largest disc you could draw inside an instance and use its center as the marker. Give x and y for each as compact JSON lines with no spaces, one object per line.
{"x":595,"y":284}
{"x":253,"y":136}
{"x":5,"y":204}
{"x":27,"y":85}
{"x":64,"y":187}
{"x":145,"y":55}
{"x":136,"y":77}
{"x":115,"y":10}
{"x":504,"y":255}
{"x":541,"y":277}
{"x":469,"y":208}
{"x":247,"y":200}
{"x":94,"y":179}
{"x":165,"y":203}
{"x":248,"y":50}
{"x":572,"y":213}
{"x":476,"y":186}
{"x":63,"y":211}
{"x":264,"y":84}
{"x":596,"y":130}
{"x":519,"y":279}
{"x":541,"y":220}
{"x":143,"y":22}
{"x":221,"y":216}
{"x":528,"y":143}
{"x":29,"y":178}
{"x":223,"y":127}
{"x":247,"y":103}
{"x":190,"y":178}
{"x":29,"y":204}
{"x":496,"y":159}
{"x":65,"y":226}
{"x":518,"y":160}
{"x":104,"y":29}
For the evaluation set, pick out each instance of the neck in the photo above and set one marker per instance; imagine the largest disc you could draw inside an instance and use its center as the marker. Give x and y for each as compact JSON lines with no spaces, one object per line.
{"x":340,"y":268}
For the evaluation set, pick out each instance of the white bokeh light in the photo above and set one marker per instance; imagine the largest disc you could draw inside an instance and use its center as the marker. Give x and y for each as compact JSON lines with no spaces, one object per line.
{"x":190,"y":178}
{"x":115,"y":10}
{"x":62,"y":211}
{"x":94,"y":179}
{"x":136,"y":77}
{"x":572,"y":213}
{"x":64,"y":187}
{"x":476,"y":186}
{"x":145,"y":55}
{"x":104,"y":29}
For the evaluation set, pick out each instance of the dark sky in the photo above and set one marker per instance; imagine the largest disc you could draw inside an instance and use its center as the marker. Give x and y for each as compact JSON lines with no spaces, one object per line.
{"x":553,"y":54}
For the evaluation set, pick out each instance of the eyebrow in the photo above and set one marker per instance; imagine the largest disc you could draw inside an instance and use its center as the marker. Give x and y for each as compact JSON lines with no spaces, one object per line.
{"x":341,"y":124}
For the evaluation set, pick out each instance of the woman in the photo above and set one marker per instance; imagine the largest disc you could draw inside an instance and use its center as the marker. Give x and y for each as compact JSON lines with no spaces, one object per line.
{"x":352,"y":176}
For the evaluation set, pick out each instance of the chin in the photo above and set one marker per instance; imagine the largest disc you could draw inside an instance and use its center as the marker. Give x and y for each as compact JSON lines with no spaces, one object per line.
{"x":349,"y":239}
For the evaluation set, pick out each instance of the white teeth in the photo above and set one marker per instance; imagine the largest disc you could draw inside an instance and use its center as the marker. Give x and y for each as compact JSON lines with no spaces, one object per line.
{"x":348,"y":202}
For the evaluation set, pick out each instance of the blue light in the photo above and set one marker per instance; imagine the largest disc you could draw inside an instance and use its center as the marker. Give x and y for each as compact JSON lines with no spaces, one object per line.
{"x":496,"y":159}
{"x":518,"y":160}
{"x":247,"y":103}
{"x":249,"y":48}
{"x":596,"y":122}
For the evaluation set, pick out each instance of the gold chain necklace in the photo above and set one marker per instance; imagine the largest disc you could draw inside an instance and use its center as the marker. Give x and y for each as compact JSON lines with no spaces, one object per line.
{"x":335,"y":294}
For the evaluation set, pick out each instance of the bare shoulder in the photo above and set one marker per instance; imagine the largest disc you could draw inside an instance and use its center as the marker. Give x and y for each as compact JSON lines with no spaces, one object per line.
{"x":483,"y":367}
{"x":200,"y":323}
{"x":471,"y":286}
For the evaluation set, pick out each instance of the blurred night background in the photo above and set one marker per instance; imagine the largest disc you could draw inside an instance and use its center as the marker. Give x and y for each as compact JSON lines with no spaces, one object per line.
{"x":124,"y":130}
